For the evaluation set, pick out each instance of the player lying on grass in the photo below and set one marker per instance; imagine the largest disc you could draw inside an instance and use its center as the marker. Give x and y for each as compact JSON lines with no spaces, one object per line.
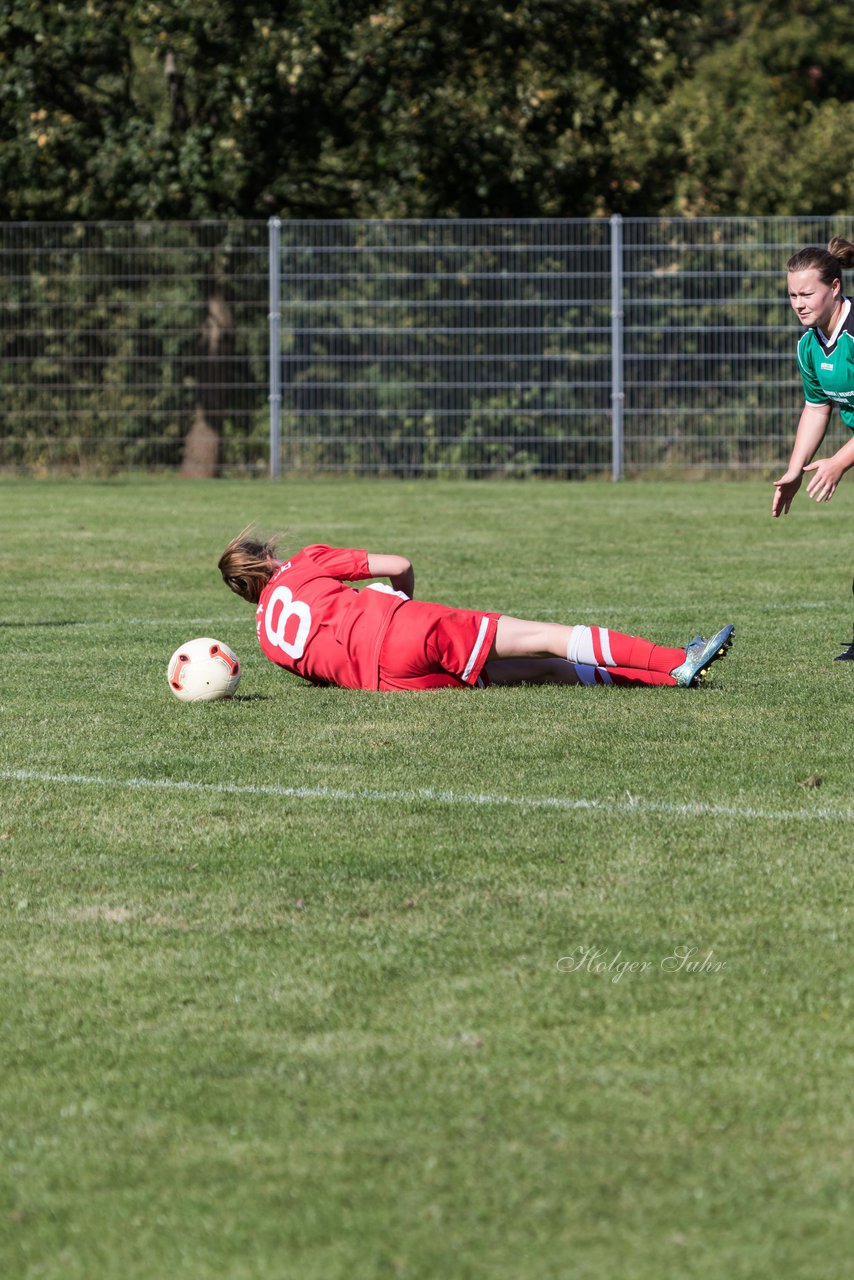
{"x":314,"y":625}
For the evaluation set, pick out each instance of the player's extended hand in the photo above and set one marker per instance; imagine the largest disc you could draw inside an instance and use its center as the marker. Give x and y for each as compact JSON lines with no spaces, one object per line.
{"x":822,"y":485}
{"x":784,"y":491}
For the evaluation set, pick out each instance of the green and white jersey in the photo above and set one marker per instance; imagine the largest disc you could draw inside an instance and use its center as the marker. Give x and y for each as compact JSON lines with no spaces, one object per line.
{"x":827,"y":366}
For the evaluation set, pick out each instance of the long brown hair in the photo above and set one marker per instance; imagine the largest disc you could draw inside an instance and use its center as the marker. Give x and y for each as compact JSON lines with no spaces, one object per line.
{"x":829,"y":262}
{"x":248,"y":563}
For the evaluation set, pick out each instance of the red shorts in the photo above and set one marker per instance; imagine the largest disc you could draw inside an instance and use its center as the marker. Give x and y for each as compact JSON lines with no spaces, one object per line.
{"x":430,"y":646}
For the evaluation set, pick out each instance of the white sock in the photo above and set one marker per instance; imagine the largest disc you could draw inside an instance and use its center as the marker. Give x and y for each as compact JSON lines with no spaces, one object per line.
{"x":586,"y":648}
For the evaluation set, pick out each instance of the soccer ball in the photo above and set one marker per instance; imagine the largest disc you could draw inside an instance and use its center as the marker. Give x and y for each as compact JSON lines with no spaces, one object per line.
{"x":203,"y":670}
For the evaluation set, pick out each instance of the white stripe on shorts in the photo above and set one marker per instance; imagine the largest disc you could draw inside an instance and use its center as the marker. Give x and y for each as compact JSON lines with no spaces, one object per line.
{"x":478,"y":645}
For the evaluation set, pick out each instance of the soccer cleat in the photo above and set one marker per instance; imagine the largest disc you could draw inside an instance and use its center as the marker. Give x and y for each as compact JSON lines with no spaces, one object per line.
{"x":699,"y":656}
{"x":847,"y":655}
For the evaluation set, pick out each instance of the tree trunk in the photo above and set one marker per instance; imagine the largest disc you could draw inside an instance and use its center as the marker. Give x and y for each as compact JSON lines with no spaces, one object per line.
{"x":201,"y":449}
{"x":202,"y":442}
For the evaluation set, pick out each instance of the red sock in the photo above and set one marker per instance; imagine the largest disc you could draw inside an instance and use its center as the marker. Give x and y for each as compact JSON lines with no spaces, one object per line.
{"x":633,"y":675}
{"x":603,"y":648}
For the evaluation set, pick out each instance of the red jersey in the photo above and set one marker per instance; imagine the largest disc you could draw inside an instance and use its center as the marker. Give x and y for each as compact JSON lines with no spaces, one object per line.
{"x":311,"y":623}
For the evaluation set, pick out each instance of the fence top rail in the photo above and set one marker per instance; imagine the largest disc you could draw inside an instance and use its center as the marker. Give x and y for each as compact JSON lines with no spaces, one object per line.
{"x":140,"y":222}
{"x":598,"y":219}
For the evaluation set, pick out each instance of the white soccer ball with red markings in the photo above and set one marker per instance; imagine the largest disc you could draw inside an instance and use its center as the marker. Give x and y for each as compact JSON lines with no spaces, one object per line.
{"x":203,"y":670}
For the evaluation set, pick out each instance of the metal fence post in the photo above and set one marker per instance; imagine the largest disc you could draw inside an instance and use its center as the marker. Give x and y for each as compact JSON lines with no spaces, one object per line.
{"x":618,"y":397}
{"x":275,"y":336}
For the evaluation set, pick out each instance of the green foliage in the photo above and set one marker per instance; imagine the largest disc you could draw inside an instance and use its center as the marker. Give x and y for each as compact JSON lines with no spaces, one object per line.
{"x":189,"y":109}
{"x":179,"y":109}
{"x":762,"y":124}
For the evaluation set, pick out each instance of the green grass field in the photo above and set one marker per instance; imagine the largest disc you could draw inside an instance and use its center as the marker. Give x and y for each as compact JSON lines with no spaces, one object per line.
{"x":310,"y":984}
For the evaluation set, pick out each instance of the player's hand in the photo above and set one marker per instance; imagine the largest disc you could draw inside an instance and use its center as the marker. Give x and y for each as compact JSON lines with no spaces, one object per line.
{"x":822,"y":485}
{"x":784,"y":491}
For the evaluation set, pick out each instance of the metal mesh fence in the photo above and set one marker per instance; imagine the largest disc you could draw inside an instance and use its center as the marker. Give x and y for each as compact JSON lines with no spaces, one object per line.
{"x":709,"y":340}
{"x":420,"y":348}
{"x":132,"y":345}
{"x":476,"y":347}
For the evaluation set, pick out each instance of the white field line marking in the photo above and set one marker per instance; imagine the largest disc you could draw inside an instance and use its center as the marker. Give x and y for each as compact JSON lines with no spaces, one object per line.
{"x":566,"y":804}
{"x":80,"y":624}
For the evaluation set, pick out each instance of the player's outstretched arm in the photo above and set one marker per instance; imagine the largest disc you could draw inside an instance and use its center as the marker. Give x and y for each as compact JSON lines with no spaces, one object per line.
{"x":812,"y":428}
{"x":827,"y":472}
{"x":784,"y":492}
{"x":397,"y":569}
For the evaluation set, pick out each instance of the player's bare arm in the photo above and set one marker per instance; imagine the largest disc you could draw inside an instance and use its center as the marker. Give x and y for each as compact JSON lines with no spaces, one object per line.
{"x":827,"y":472}
{"x":812,"y":428}
{"x":397,"y":569}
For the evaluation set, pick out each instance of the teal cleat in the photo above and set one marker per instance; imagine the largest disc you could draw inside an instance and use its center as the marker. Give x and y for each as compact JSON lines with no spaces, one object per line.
{"x":699,"y":656}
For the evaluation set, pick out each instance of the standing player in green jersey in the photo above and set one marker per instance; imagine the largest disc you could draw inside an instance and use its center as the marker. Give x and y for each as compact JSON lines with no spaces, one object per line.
{"x":826,"y":363}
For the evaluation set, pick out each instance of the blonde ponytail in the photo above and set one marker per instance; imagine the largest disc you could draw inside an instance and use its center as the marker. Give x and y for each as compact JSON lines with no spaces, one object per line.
{"x":827,"y":262}
{"x":842,"y":250}
{"x":248,"y":563}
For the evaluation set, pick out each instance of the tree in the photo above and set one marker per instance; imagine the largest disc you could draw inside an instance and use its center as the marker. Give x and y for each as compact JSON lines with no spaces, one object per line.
{"x":193,"y":109}
{"x":200,"y":108}
{"x":327,"y":108}
{"x":219,"y":109}
{"x":760,"y":122}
